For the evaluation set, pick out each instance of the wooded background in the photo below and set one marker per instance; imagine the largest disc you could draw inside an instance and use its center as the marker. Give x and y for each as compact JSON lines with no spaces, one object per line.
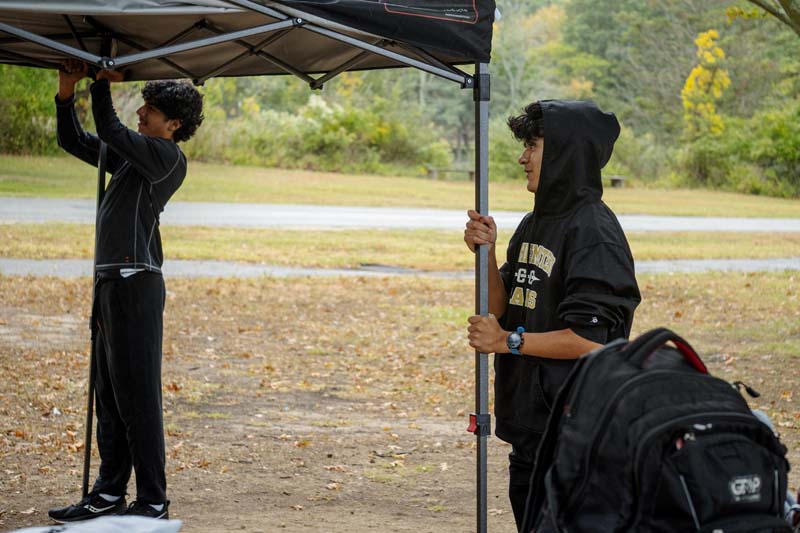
{"x":707,"y":91}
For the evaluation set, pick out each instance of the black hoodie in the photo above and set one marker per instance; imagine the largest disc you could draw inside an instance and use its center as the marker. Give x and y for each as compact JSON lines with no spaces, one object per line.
{"x":568,"y":266}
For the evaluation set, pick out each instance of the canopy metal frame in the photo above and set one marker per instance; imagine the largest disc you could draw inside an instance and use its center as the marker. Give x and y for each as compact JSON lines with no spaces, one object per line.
{"x":417,"y":58}
{"x":103,"y":30}
{"x":288,"y":21}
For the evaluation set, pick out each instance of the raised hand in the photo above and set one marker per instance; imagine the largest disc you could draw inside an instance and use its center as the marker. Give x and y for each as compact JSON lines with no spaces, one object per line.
{"x":71,"y":72}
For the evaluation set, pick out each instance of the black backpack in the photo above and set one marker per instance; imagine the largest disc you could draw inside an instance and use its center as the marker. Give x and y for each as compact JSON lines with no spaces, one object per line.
{"x":642,"y":439}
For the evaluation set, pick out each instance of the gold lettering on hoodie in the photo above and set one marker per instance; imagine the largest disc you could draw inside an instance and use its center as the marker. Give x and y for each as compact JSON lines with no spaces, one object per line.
{"x":538,"y":256}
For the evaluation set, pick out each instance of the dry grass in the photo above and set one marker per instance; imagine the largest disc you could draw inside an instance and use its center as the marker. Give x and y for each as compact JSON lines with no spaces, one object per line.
{"x":419,"y":249}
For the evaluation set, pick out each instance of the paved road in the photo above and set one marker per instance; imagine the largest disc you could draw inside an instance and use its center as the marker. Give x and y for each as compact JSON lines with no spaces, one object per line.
{"x":70,"y":268}
{"x":38,"y":210}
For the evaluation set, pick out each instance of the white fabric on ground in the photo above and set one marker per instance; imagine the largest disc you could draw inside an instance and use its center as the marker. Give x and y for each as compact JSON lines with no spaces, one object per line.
{"x":111,"y":524}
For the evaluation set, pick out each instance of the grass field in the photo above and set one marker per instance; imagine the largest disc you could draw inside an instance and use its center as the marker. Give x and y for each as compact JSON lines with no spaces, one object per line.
{"x":419,"y":249}
{"x":65,"y":177}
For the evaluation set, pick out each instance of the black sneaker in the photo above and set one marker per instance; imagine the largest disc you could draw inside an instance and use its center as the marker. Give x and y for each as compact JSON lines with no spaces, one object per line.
{"x":90,"y":507}
{"x":138,"y":508}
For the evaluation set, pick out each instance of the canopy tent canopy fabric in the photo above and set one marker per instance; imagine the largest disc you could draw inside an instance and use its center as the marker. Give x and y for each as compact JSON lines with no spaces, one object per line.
{"x":200,"y":39}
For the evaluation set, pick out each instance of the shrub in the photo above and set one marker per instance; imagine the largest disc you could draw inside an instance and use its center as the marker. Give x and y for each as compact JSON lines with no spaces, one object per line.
{"x":27,"y":110}
{"x":759,"y":155}
{"x":774,"y":137}
{"x":709,"y":161}
{"x":639,"y":157}
{"x":320,"y":136}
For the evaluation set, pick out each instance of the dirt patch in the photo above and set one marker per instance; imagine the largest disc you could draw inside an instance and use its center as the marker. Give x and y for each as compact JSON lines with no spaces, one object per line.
{"x":326,"y":405}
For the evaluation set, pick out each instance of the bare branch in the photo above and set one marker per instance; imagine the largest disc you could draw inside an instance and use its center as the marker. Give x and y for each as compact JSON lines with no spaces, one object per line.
{"x":773,"y":10}
{"x":793,"y":12}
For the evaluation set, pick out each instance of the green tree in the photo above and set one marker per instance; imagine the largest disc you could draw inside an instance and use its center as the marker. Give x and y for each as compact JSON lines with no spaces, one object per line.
{"x":649,"y":49}
{"x":764,"y":64}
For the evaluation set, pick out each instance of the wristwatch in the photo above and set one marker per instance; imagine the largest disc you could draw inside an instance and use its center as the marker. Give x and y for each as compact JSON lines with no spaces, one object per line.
{"x":515,"y":340}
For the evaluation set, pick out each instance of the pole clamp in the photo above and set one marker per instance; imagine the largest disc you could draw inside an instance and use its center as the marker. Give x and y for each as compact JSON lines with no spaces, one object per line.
{"x":482,"y":89}
{"x":480,"y":424}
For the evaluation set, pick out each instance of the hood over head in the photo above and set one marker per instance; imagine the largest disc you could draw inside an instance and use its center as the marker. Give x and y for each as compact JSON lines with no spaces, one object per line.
{"x":578,"y":142}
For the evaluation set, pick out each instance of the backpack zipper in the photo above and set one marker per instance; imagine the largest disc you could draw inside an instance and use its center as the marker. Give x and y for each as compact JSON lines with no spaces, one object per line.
{"x":690,"y":502}
{"x":717,"y":415}
{"x":678,"y":421}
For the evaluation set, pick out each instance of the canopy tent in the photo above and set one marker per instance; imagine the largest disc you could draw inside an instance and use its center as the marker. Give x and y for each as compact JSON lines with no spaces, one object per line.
{"x":314,"y":40}
{"x":204,"y":38}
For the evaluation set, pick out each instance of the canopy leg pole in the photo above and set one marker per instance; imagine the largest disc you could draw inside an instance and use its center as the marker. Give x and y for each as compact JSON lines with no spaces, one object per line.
{"x":482,"y":419}
{"x":87,"y":442}
{"x":106,"y":47}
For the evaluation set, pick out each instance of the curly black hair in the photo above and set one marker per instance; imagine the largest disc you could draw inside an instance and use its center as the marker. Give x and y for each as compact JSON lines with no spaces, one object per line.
{"x":529,"y":126}
{"x":177,"y":100}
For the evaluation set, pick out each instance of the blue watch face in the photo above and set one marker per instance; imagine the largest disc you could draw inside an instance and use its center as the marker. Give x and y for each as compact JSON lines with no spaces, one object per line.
{"x":514,"y":340}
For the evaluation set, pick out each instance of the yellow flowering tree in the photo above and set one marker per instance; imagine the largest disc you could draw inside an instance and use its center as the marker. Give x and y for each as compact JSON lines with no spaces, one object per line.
{"x":704,"y":87}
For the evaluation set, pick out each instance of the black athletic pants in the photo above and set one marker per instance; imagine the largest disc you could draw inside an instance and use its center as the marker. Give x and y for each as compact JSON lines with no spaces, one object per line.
{"x":520,"y":468}
{"x":130,"y":432}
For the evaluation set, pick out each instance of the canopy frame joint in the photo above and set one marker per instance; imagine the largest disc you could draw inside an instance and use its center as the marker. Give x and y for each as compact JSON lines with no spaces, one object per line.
{"x":481,"y":90}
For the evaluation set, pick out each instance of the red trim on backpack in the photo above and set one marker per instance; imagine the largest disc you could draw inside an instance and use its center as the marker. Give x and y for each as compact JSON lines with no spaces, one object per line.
{"x":691,"y":356}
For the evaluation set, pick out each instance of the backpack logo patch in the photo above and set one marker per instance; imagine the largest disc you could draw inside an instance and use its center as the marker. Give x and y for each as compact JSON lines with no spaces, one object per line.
{"x":746,"y":489}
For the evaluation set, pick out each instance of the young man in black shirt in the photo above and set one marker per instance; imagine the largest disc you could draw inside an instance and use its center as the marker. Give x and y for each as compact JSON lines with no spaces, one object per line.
{"x":147,"y":167}
{"x":567,"y":285}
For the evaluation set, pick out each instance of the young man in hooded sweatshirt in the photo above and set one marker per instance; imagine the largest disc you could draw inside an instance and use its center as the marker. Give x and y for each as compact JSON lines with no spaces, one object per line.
{"x":567,"y":285}
{"x":148,"y":167}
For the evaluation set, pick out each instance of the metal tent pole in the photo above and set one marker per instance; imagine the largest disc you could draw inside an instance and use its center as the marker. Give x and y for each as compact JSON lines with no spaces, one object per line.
{"x":480,"y":423}
{"x":105,"y":46}
{"x":87,"y":443}
{"x":50,"y":43}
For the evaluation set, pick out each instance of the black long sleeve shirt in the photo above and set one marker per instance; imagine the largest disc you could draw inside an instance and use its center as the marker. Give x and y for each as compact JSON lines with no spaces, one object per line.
{"x":146,"y":172}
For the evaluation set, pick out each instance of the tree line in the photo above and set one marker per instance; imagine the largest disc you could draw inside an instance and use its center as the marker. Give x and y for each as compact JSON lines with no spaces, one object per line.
{"x":707,"y":92}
